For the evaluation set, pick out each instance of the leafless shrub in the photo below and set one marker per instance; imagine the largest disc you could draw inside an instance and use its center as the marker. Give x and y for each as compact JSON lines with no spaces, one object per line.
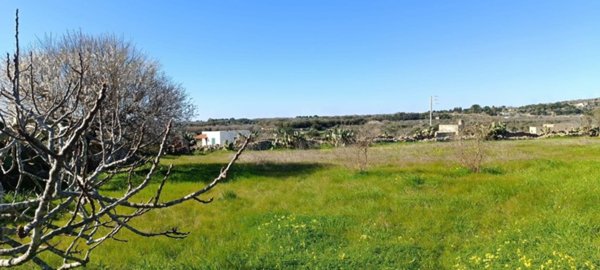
{"x":471,"y":148}
{"x":76,"y":127}
{"x":364,"y":137}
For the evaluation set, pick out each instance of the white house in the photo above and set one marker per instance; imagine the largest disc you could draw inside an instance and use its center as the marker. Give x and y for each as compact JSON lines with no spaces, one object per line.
{"x":213,"y":138}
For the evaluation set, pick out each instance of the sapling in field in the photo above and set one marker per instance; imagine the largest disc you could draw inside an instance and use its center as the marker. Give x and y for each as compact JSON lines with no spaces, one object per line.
{"x":363,"y":139}
{"x":471,"y":148}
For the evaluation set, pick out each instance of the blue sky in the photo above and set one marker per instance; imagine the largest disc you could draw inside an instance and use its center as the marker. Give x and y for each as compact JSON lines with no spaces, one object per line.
{"x":317,"y":57}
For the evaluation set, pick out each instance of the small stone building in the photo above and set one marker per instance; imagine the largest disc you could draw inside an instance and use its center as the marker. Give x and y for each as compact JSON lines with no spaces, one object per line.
{"x":448,"y":131}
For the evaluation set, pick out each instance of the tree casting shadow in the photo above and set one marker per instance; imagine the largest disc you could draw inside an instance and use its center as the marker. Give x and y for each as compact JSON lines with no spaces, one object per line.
{"x":206,"y":172}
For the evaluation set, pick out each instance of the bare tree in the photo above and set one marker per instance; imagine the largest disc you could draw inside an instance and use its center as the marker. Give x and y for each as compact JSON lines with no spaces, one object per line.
{"x":471,"y":148}
{"x":363,"y":139}
{"x":75,"y":133}
{"x":137,"y":93}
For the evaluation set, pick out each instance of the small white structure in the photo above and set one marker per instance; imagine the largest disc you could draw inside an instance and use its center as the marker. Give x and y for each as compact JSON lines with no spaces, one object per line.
{"x":217,"y":138}
{"x":533,"y":130}
{"x":449,"y":130}
{"x":550,"y":128}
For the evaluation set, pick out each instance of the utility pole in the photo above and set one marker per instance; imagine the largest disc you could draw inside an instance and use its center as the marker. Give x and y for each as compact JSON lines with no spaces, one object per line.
{"x":431,"y":100}
{"x":431,"y":111}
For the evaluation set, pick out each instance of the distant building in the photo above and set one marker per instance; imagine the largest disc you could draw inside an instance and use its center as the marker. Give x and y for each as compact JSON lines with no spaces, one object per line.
{"x":218,"y":138}
{"x":454,"y":129}
{"x":549,"y":128}
{"x":449,"y":130}
{"x":533,"y":130}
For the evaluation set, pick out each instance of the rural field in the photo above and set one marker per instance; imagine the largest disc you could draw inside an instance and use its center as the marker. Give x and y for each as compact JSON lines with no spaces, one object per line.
{"x":534,"y":205}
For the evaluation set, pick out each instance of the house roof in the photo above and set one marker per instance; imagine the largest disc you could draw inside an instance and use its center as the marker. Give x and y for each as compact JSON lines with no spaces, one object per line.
{"x":200,"y":137}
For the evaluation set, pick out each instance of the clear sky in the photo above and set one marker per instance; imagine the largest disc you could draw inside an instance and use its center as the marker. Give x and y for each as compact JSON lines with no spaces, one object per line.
{"x":269,"y":58}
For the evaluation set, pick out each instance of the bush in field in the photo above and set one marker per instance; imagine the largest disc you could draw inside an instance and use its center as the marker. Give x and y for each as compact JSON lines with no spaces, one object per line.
{"x":292,"y":139}
{"x":364,"y":138}
{"x":470,"y":147}
{"x":424,"y":133}
{"x":340,"y":137}
{"x":497,"y":130}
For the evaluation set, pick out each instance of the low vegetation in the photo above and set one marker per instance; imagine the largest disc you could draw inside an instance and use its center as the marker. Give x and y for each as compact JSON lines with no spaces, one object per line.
{"x":532,"y":205}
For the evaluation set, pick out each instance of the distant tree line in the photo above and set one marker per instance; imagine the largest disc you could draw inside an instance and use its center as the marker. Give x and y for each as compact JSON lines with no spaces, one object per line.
{"x":227,"y":121}
{"x":311,"y":122}
{"x":557,"y":108}
{"x":317,"y":122}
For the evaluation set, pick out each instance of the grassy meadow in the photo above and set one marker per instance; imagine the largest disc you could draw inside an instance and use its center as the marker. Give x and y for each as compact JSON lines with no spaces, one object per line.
{"x":535,"y":205}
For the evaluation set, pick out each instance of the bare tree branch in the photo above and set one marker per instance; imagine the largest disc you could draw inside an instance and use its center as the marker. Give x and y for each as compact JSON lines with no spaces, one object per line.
{"x":72,"y":118}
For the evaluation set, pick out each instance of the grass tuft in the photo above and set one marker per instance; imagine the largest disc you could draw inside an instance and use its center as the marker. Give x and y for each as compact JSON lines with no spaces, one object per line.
{"x":229,"y":195}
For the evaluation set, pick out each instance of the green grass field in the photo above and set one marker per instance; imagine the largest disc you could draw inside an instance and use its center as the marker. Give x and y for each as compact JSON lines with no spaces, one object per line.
{"x":535,"y":205}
